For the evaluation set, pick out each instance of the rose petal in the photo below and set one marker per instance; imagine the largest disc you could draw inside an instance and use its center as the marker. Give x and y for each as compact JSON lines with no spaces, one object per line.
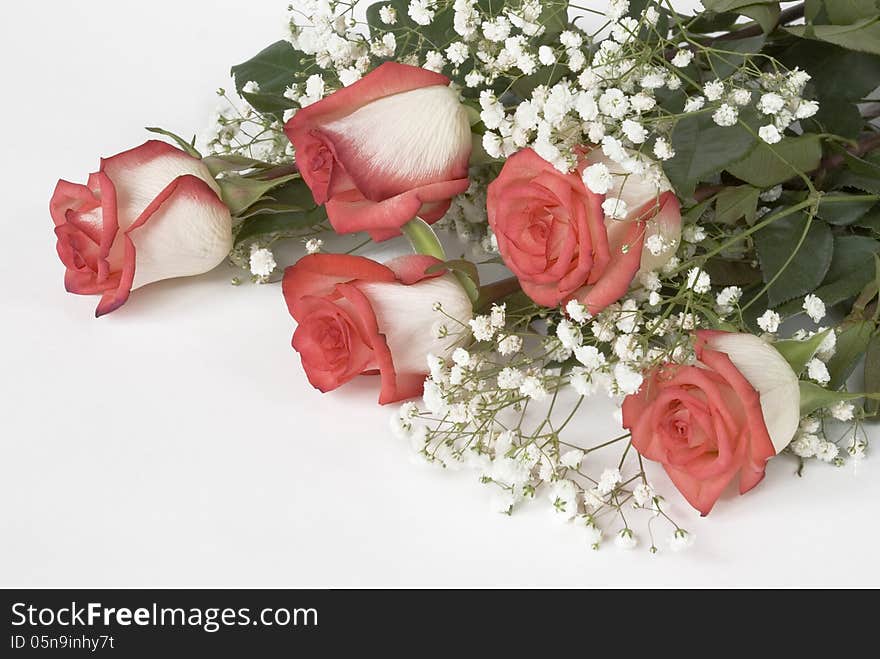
{"x":768,"y":372}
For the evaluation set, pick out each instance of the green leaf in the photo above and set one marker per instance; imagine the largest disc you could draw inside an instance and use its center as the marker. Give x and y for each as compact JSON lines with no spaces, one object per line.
{"x":839,"y":116}
{"x":844,"y":12}
{"x":814,"y":11}
{"x":727,"y":57}
{"x":732,"y":273}
{"x":269,"y":103}
{"x":872,"y":374}
{"x":863,"y":35}
{"x":703,"y":149}
{"x":709,"y":21}
{"x":871,"y":221}
{"x":851,"y":269}
{"x":846,"y":212}
{"x":767,"y":15}
{"x":423,"y":239}
{"x":851,"y":346}
{"x":289,"y":222}
{"x":814,"y":397}
{"x":846,"y":178}
{"x":869,"y":293}
{"x":733,"y":204}
{"x":806,"y":272}
{"x":182,"y":143}
{"x":734,"y":5}
{"x":799,"y":353}
{"x":273,"y":69}
{"x":770,"y":165}
{"x":232,"y":163}
{"x":240,"y":193}
{"x":856,"y":164}
{"x":554,"y":16}
{"x":837,"y":73}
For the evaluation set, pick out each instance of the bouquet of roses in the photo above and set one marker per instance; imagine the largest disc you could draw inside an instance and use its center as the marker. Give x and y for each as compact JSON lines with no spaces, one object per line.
{"x":687,"y":208}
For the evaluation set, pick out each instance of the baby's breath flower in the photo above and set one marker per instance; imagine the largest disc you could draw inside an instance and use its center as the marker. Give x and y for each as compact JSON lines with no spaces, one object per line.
{"x":806,"y":109}
{"x":741,"y":97}
{"x":634,"y":131}
{"x":699,"y":281}
{"x":598,"y":178}
{"x":421,"y":11}
{"x":609,"y":481}
{"x":771,"y":195}
{"x":770,"y":134}
{"x":498,"y":316}
{"x":546,"y":56}
{"x":614,"y":103}
{"x":663,"y":150}
{"x":533,"y":388}
{"x":457,"y":52}
{"x":578,"y":312}
{"x":388,"y":15}
{"x":694,"y":104}
{"x":681,"y":540}
{"x":628,"y":380}
{"x":713,"y":90}
{"x":694,"y":234}
{"x":683,"y":58}
{"x":626,"y":540}
{"x":771,"y":103}
{"x":481,"y":326}
{"x":769,"y":321}
{"x":818,"y":371}
{"x":726,"y":115}
{"x":843,"y":411}
{"x":510,"y":345}
{"x":729,"y":297}
{"x":615,"y":208}
{"x":572,"y":459}
{"x":642,"y":102}
{"x":643,"y":494}
{"x":496,"y":30}
{"x":434,"y":61}
{"x":510,"y":378}
{"x":262,"y":262}
{"x":815,"y":308}
{"x":827,"y":451}
{"x":568,"y":334}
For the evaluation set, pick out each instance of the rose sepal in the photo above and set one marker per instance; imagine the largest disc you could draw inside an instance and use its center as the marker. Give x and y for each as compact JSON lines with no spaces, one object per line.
{"x":424,"y":241}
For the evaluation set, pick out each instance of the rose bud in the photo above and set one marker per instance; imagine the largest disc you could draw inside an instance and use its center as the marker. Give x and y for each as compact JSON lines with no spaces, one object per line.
{"x":393,"y":146}
{"x":358,"y":317}
{"x":721,"y":418}
{"x":554,"y":235}
{"x":148,"y":214}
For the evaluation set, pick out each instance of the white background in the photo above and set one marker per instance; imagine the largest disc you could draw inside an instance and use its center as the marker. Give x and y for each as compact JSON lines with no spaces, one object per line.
{"x":177,"y":442}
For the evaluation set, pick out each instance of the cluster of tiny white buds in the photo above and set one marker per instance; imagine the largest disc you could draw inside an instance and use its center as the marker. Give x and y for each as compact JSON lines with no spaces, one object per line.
{"x":262,"y":263}
{"x":770,"y":321}
{"x":815,"y":308}
{"x":314,"y":245}
{"x":699,"y":281}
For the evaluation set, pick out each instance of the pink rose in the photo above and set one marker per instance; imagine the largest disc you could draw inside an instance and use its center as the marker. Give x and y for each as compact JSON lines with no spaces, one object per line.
{"x":723,"y":417}
{"x":553,"y":233}
{"x":392,"y":146}
{"x":148,"y":214}
{"x":358,"y":317}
